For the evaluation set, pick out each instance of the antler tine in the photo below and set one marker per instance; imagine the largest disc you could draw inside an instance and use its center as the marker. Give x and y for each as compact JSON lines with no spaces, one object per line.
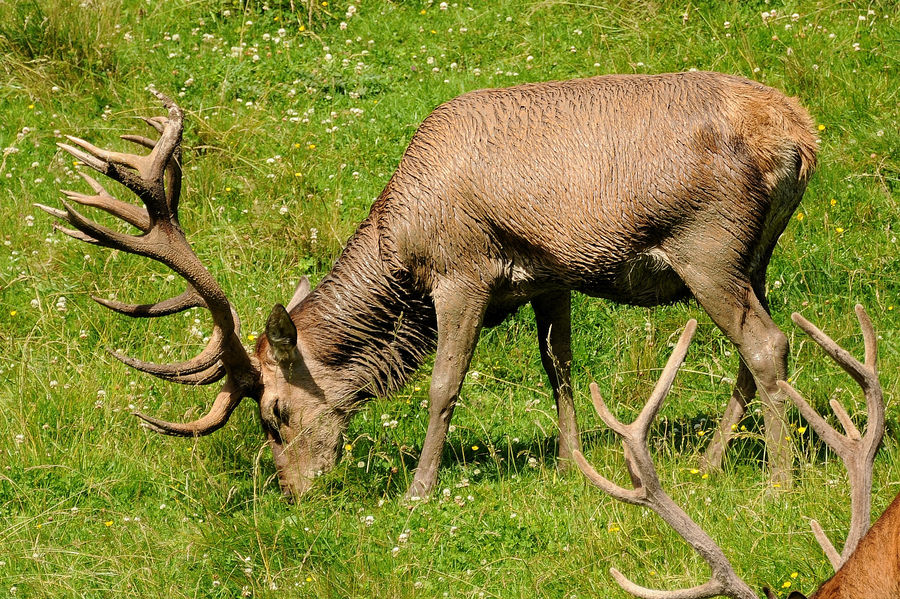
{"x":131,"y":214}
{"x":226,"y":401}
{"x":648,"y":491}
{"x":185,"y":301}
{"x":140,"y":140}
{"x":855,"y":450}
{"x":664,"y":384}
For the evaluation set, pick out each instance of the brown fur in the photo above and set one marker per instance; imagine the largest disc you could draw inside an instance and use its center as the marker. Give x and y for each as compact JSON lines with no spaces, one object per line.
{"x":641,"y":189}
{"x":873,"y":570}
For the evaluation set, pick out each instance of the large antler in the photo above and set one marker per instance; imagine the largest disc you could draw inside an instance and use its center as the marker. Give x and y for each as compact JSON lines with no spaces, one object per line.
{"x":648,"y":492}
{"x":857,"y":451}
{"x":156,"y":179}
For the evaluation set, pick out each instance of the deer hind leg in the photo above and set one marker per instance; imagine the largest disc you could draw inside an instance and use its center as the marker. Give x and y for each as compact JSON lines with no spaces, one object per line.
{"x":460,"y":314}
{"x":743,"y":393}
{"x":736,"y":309}
{"x":553,"y":312}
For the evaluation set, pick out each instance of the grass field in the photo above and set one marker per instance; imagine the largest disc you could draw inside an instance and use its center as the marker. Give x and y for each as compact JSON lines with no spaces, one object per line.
{"x":297,"y":116}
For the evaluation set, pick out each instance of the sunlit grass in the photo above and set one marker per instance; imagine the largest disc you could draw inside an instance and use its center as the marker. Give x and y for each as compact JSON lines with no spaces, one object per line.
{"x":295,"y":123}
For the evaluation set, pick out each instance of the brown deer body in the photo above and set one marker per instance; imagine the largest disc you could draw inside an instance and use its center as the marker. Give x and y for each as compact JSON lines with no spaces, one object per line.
{"x":640,"y":189}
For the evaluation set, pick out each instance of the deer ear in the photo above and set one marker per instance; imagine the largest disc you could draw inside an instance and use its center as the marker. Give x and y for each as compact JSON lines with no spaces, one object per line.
{"x":303,"y":288}
{"x":282,"y":334}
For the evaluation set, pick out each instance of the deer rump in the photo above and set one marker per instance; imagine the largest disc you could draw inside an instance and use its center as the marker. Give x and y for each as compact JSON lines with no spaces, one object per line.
{"x":604,"y":185}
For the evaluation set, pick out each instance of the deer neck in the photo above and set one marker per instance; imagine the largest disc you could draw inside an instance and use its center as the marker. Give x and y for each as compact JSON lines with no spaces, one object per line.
{"x":367,"y":327}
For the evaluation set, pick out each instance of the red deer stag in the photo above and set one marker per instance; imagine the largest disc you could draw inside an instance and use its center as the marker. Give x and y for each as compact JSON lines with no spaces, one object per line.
{"x":869,"y":565}
{"x":640,"y":189}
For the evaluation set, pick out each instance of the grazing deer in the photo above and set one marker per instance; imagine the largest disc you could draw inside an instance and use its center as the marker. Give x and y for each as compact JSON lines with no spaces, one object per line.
{"x":869,"y":565}
{"x":640,"y":189}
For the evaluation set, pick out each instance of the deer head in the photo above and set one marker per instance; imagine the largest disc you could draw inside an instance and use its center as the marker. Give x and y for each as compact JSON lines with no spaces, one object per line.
{"x":278,"y":376}
{"x":856,"y":450}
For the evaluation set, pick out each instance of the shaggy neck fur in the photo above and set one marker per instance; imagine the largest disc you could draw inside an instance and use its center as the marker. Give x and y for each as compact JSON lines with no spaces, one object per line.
{"x":371,"y":328}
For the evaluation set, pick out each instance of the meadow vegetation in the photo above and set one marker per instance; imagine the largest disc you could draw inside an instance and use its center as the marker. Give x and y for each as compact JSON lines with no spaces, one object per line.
{"x":298,"y":113}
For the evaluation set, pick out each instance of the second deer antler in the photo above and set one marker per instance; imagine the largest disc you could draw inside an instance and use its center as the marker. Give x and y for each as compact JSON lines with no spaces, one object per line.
{"x":648,"y":491}
{"x":857,"y":451}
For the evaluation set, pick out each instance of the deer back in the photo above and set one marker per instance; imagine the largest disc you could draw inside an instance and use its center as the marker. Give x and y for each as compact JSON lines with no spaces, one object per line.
{"x":575,"y":181}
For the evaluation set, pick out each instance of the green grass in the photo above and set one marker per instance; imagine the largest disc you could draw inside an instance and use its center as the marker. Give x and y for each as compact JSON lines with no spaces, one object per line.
{"x":285,"y":150}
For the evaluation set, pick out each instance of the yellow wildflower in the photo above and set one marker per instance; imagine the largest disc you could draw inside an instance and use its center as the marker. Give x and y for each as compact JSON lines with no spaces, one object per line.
{"x":839,"y":229}
{"x":348,"y":447}
{"x":821,"y":127}
{"x":801,"y":429}
{"x":800,"y":216}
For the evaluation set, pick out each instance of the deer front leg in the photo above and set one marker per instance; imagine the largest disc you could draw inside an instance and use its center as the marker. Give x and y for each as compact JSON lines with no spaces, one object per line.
{"x":553,"y":312}
{"x":459,"y":320}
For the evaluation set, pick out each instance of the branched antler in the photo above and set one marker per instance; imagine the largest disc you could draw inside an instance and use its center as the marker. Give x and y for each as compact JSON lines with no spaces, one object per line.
{"x":857,"y":451}
{"x":648,"y":492}
{"x":156,"y":179}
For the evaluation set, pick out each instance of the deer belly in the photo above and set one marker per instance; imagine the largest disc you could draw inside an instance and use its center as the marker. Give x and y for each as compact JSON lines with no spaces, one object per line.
{"x":645,"y":280}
